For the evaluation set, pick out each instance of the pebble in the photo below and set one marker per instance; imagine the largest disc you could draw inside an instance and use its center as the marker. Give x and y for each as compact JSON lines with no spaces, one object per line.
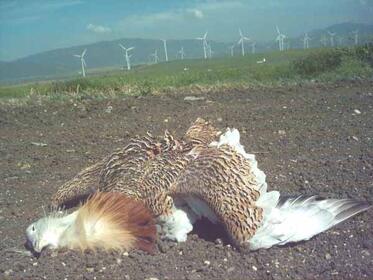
{"x":109,"y":109}
{"x":281,"y":132}
{"x":231,"y":269}
{"x":254,"y":268}
{"x":219,"y":119}
{"x":328,"y":256}
{"x":193,"y":98}
{"x":125,"y":254}
{"x":207,"y":262}
{"x":355,"y":138}
{"x":357,"y":112}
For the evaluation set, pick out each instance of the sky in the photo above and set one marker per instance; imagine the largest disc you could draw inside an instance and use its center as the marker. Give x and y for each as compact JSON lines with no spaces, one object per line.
{"x":32,"y":26}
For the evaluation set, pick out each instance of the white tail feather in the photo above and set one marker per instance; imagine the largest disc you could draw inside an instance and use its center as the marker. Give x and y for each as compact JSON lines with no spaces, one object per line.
{"x":300,"y":218}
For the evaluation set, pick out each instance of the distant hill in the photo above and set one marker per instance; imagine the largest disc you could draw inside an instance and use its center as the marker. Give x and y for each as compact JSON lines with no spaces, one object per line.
{"x":107,"y":54}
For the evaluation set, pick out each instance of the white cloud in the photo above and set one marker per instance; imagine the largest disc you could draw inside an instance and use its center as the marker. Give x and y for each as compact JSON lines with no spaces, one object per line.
{"x":98,"y":28}
{"x":196,"y":13}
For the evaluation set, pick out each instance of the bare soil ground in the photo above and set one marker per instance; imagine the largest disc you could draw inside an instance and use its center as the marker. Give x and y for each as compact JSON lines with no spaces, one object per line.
{"x":308,"y":139}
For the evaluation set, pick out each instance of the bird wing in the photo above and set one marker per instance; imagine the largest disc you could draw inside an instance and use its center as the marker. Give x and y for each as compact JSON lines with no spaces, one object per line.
{"x":224,"y":180}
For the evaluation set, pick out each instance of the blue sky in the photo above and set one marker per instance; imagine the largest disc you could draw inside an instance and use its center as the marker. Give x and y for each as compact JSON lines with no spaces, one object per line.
{"x":31,"y":26}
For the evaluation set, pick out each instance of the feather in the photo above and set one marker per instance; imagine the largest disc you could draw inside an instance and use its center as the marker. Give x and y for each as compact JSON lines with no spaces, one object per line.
{"x":112,"y":221}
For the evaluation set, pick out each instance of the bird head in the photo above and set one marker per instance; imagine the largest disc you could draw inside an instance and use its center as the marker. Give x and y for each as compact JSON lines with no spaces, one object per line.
{"x":37,"y":235}
{"x":47,"y":231}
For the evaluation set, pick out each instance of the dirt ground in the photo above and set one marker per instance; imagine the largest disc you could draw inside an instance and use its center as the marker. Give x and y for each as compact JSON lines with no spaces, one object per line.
{"x":313,"y":139}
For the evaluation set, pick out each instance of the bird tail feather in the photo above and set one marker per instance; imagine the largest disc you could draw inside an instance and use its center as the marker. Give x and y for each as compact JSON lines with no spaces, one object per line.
{"x":112,"y":221}
{"x":294,"y":219}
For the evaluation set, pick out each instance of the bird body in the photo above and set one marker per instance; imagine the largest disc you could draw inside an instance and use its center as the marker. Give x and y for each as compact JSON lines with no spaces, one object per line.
{"x":201,"y":175}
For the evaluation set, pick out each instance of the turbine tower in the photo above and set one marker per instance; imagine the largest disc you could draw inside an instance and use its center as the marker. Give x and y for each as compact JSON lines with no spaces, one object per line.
{"x":253,"y":47}
{"x":356,"y":36}
{"x":332,"y":35}
{"x":324,"y":41}
{"x":82,"y":61}
{"x":204,"y":44}
{"x":209,"y":50}
{"x":280,"y":38}
{"x":306,"y":40}
{"x":126,"y":50}
{"x":232,"y":49}
{"x":165,"y":48}
{"x":181,"y":53}
{"x":242,"y":41}
{"x":155,"y":55}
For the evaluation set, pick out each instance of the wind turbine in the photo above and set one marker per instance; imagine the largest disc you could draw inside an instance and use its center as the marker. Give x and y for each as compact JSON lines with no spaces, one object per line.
{"x":204,"y":44}
{"x":332,"y":35}
{"x":253,"y":47}
{"x":323,"y":40}
{"x":209,"y":50}
{"x":82,"y":61}
{"x":155,"y":55}
{"x":356,"y":36}
{"x":232,"y":49}
{"x":306,"y":40}
{"x":280,"y":38}
{"x":165,"y":48}
{"x":126,"y":50}
{"x":181,"y":53}
{"x":242,"y":41}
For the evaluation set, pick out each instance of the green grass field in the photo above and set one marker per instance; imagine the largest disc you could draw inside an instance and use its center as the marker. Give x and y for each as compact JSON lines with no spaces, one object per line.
{"x":280,"y":67}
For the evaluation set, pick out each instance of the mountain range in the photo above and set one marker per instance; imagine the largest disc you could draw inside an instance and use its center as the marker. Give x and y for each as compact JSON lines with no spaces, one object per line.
{"x":107,"y":54}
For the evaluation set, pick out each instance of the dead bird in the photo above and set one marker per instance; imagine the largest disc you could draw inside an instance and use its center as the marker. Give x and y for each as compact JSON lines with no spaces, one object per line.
{"x":109,"y":221}
{"x":208,"y":174}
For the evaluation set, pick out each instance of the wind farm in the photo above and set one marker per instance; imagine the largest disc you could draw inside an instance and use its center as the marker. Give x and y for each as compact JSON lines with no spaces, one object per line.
{"x":278,"y":92}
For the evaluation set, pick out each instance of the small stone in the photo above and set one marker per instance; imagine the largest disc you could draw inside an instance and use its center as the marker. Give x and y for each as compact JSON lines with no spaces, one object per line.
{"x":119,"y":261}
{"x":125,"y":254}
{"x":35,"y":264}
{"x":231,"y":269}
{"x":109,"y":109}
{"x":193,"y":98}
{"x":328,"y":256}
{"x":357,"y":112}
{"x":254,"y":268}
{"x":355,"y":138}
{"x":165,"y":120}
{"x":8,"y":272}
{"x":281,"y":132}
{"x":207,"y":262}
{"x":365,"y":253}
{"x":218,"y":241}
{"x":90,"y":269}
{"x":225,"y":260}
{"x":219,"y":119}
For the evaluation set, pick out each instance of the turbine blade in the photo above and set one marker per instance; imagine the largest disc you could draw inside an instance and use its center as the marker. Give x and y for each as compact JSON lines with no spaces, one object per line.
{"x":131,"y":48}
{"x":77,"y":55}
{"x":120,"y":45}
{"x":83,"y":53}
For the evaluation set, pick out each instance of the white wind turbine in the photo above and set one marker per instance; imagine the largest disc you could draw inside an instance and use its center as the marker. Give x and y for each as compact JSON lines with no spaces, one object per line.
{"x":253,"y":47}
{"x":232,"y":49}
{"x":306,"y":40}
{"x":280,"y":38}
{"x":82,"y":61}
{"x":155,"y":55}
{"x":181,"y":53}
{"x":209,"y":50}
{"x":165,"y":48}
{"x":242,"y":41}
{"x":332,"y":35}
{"x":356,"y":36}
{"x":324,"y":40}
{"x":126,"y":50}
{"x":204,"y":44}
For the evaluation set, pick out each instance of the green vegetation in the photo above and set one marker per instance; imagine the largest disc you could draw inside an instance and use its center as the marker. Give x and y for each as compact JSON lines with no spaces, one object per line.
{"x":280,"y":67}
